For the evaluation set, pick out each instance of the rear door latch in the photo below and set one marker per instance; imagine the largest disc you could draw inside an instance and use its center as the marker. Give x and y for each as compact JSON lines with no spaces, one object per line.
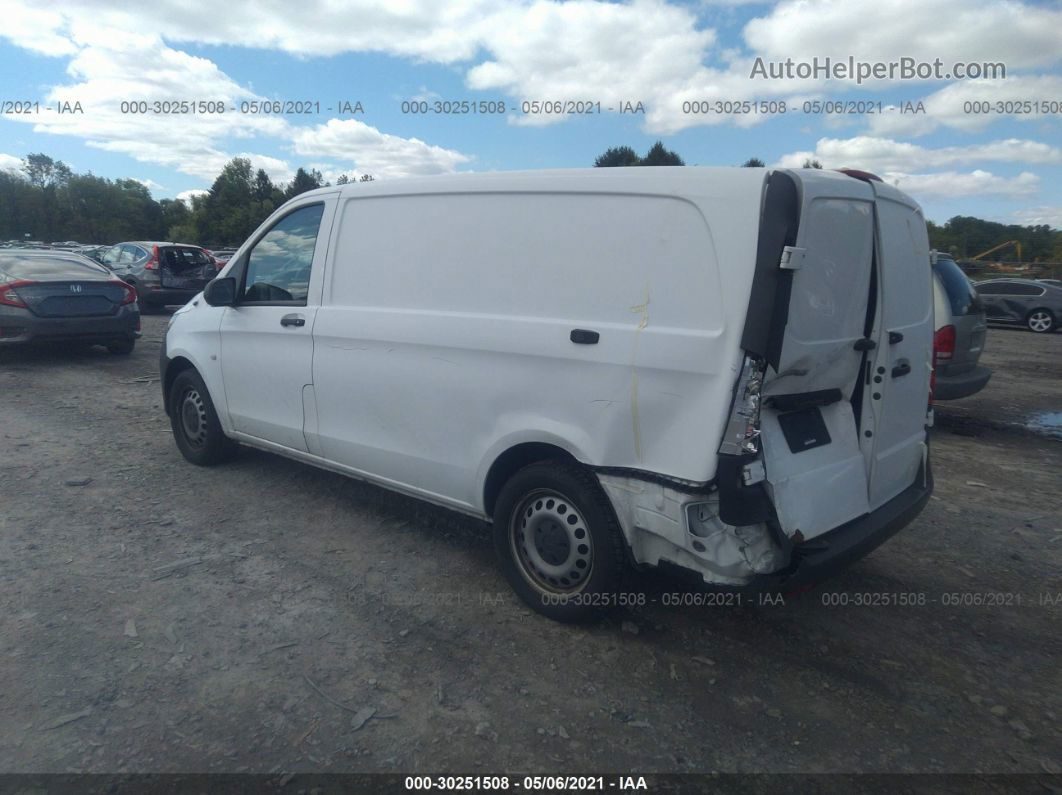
{"x":792,"y":258}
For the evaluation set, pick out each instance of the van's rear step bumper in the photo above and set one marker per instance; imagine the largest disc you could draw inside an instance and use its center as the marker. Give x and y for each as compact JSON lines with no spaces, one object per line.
{"x":825,"y":555}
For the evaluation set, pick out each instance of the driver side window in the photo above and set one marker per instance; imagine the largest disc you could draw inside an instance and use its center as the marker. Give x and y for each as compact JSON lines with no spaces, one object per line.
{"x":278,"y":266}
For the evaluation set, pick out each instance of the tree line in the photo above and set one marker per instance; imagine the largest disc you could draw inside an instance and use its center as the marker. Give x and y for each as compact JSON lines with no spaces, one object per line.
{"x":47,"y":201}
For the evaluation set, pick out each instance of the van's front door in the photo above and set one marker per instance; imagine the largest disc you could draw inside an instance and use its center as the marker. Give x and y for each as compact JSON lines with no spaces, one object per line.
{"x":266,"y":338}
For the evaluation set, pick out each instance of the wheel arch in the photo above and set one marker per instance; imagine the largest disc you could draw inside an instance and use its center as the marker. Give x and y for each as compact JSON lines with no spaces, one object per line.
{"x":176,"y":366}
{"x":512,"y":460}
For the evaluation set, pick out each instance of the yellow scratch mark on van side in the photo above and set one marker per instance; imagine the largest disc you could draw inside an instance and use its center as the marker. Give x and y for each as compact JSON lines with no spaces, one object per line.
{"x":641,"y":309}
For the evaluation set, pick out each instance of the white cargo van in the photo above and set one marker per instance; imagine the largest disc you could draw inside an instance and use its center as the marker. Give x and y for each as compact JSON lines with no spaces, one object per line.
{"x":724,"y":371}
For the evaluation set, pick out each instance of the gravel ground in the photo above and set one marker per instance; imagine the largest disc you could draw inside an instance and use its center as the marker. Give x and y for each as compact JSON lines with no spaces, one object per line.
{"x":266,"y":616}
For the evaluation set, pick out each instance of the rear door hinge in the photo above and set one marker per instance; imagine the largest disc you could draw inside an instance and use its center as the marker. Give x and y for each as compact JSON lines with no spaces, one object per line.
{"x":792,"y":258}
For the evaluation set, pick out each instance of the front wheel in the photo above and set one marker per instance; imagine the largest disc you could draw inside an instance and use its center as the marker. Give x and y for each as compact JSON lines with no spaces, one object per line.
{"x":558,"y":541}
{"x":195,"y":424}
{"x":1040,"y":320}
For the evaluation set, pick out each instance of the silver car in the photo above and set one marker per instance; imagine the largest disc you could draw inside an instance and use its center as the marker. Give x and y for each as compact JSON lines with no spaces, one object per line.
{"x":959,"y":333}
{"x":162,"y":273}
{"x":1035,"y":305}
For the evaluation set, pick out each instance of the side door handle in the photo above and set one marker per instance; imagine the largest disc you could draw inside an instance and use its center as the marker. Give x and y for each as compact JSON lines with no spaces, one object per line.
{"x":583,"y":336}
{"x":293,"y":320}
{"x":903,"y":367}
{"x":894,"y":337}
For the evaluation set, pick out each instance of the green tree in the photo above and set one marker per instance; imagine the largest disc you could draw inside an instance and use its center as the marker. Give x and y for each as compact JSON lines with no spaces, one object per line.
{"x":809,"y":163}
{"x":753,"y":162}
{"x":659,"y":156}
{"x":43,"y":172}
{"x":617,"y":156}
{"x":303,"y":181}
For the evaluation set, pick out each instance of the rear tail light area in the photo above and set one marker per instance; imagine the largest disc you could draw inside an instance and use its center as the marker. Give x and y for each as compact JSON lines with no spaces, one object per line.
{"x":742,"y":434}
{"x":944,"y":343}
{"x":9,"y":293}
{"x":943,"y":350}
{"x":130,"y":293}
{"x":153,"y":263}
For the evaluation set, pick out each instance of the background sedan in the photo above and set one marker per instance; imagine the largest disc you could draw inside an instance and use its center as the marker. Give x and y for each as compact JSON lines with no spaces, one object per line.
{"x":61,"y":296}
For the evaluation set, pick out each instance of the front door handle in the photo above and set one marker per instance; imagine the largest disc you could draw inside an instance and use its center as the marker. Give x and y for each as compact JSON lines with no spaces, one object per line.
{"x":293,"y":320}
{"x":903,"y":367}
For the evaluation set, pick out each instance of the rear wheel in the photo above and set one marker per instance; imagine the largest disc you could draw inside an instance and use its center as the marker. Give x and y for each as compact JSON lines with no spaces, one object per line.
{"x":195,"y":424}
{"x":121,"y":347}
{"x":1040,"y":321}
{"x":558,"y":541}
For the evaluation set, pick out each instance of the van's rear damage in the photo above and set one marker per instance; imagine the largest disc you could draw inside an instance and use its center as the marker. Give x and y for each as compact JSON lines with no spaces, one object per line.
{"x":824,"y":452}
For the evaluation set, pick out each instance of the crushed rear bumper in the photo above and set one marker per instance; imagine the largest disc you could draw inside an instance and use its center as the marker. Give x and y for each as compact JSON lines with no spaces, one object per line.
{"x":822,"y":557}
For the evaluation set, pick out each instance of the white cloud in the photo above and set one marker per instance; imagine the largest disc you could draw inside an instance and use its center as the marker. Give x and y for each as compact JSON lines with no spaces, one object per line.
{"x":374,"y":152}
{"x":1019,"y":34}
{"x":113,"y":66}
{"x":654,"y":51}
{"x":150,"y":184}
{"x":10,"y":163}
{"x":959,"y":185}
{"x":187,"y":195}
{"x":948,"y":106}
{"x":884,"y":154}
{"x":1035,"y":216}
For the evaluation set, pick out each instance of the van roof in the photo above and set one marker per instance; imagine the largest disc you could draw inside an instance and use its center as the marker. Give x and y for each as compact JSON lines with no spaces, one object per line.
{"x":704,"y":181}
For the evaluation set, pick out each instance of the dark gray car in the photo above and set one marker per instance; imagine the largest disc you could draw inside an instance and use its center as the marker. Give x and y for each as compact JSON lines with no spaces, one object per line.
{"x":1035,"y":305}
{"x":64,"y":297}
{"x":162,"y":273}
{"x":959,"y":336}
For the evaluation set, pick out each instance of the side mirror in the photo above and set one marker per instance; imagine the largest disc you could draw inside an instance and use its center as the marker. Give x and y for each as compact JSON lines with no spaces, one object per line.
{"x":220,"y":292}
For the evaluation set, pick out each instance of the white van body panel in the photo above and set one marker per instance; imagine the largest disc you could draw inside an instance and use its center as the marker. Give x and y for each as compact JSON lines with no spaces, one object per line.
{"x":455,"y":306}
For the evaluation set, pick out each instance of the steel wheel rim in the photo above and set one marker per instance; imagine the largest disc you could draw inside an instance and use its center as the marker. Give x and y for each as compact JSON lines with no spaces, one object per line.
{"x":1039,"y":321}
{"x":551,"y":542}
{"x":193,"y":418}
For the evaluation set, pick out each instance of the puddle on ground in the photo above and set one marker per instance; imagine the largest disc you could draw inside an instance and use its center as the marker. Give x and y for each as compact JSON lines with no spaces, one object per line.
{"x":1049,"y":423}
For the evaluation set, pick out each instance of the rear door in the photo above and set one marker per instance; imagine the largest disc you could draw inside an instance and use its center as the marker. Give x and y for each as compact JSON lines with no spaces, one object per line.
{"x":844,"y":406}
{"x":896,"y":385}
{"x":815,"y":466}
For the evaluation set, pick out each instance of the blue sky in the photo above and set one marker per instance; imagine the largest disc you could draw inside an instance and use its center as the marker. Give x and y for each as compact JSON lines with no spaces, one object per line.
{"x":1000,"y":165}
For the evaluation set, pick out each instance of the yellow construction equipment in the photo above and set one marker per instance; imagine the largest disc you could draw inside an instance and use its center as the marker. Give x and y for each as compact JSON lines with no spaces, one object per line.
{"x":1014,"y":243}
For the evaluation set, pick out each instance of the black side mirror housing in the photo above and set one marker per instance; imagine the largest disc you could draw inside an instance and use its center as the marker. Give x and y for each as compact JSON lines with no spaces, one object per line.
{"x":220,"y":292}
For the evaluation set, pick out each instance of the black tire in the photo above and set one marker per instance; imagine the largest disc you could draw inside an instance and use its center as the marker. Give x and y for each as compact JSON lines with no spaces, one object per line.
{"x":548,"y":494}
{"x":122,"y":347}
{"x":1040,"y":321}
{"x":195,"y":424}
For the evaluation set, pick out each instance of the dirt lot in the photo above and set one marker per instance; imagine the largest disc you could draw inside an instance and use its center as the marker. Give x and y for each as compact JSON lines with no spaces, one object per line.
{"x":162,"y":617}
